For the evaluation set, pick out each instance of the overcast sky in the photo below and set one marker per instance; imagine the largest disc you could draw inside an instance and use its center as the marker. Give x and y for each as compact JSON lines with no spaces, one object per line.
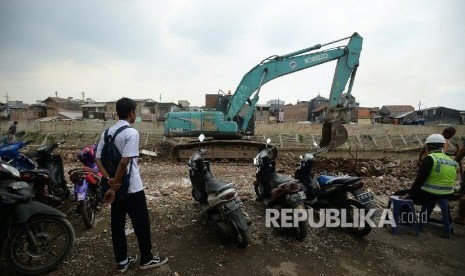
{"x":413,"y":51}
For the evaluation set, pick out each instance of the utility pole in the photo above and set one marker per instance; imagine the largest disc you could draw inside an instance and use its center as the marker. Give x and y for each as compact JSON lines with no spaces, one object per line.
{"x":83,"y":93}
{"x":7,"y":105}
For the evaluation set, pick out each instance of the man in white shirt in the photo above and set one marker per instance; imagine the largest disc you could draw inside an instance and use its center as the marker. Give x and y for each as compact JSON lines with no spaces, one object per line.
{"x":134,"y":203}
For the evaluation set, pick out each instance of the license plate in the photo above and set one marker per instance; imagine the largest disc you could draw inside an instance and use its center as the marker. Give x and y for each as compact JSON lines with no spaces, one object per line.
{"x":366,"y":197}
{"x":230,"y":205}
{"x":296,"y":197}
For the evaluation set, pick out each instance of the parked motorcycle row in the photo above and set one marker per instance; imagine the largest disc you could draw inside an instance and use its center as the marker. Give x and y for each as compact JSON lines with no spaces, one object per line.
{"x":299,"y":192}
{"x":37,"y":237}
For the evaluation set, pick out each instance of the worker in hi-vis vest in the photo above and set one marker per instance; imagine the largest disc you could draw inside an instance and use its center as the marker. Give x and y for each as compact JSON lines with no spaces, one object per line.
{"x":436,"y":176}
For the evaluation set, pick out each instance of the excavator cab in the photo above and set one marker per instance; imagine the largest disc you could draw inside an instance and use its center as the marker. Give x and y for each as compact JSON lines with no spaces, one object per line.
{"x":334,"y":134}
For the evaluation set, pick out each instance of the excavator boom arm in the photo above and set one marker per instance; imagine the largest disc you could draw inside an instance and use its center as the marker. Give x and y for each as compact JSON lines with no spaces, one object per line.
{"x":347,"y":61}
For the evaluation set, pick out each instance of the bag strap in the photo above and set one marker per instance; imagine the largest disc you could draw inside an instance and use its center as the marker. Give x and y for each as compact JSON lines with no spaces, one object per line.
{"x":119,"y":130}
{"x":107,"y":137}
{"x":130,"y":168}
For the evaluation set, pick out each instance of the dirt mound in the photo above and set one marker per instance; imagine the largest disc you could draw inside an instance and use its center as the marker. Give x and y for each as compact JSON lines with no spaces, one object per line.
{"x":287,"y":162}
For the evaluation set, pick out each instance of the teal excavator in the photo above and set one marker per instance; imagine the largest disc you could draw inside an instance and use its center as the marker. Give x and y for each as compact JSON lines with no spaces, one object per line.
{"x":234,"y":116}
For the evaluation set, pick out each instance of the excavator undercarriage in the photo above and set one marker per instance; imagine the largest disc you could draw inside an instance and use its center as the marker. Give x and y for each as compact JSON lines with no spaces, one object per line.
{"x":222,"y":150}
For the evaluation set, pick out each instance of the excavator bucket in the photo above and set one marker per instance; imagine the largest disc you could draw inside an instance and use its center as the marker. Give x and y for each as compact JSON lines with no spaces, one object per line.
{"x":334,"y":134}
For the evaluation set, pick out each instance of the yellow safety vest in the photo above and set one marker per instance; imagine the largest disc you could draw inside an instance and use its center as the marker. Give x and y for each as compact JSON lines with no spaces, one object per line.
{"x":441,"y":179}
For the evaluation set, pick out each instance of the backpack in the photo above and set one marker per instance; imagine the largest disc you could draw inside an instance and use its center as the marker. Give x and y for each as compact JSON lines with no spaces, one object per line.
{"x":110,"y":158}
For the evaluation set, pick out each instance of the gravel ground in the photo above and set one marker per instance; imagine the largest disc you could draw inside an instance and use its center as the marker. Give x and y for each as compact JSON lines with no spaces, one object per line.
{"x":194,"y":247}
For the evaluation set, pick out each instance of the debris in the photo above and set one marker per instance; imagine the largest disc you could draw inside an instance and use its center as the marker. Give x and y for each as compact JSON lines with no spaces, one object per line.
{"x":148,"y":152}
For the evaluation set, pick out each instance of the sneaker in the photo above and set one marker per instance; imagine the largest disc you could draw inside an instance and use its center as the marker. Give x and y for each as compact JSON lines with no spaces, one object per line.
{"x":154,"y":262}
{"x":122,"y":268}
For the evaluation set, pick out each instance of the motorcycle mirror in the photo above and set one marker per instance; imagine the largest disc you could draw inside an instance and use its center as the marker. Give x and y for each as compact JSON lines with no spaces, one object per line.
{"x":315,"y":144}
{"x":255,"y":161}
{"x":201,"y":137}
{"x":268,"y":140}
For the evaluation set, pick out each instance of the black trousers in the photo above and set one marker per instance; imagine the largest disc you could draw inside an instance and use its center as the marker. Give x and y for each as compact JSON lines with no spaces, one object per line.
{"x":135,"y":206}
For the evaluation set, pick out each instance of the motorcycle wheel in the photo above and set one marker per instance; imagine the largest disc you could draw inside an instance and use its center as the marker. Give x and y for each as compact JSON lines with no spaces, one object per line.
{"x":258,"y":189}
{"x":351,"y":205}
{"x":196,"y":195}
{"x":54,"y":238}
{"x":242,"y":236}
{"x":300,"y":231}
{"x":88,"y":209}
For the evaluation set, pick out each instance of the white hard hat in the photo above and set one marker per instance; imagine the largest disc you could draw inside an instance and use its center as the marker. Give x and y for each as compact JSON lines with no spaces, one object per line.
{"x":435,"y":139}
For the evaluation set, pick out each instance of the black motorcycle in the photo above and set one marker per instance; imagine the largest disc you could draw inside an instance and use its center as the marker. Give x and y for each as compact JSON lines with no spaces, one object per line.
{"x":35,"y":238}
{"x":47,"y":177}
{"x":327,"y":191}
{"x":279,"y":191}
{"x":218,"y":199}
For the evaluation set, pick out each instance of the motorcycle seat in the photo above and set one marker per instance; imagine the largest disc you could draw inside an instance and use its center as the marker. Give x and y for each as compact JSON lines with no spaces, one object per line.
{"x":217,"y":186}
{"x":279,"y":179}
{"x":341,"y":180}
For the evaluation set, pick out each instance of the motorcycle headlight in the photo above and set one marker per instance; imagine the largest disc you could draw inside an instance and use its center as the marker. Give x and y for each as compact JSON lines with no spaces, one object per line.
{"x":10,"y":169}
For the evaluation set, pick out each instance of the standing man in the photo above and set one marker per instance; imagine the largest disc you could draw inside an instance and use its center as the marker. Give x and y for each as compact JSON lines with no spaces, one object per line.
{"x":134,"y":203}
{"x":12,"y":132}
{"x":460,"y":219}
{"x":448,"y":133}
{"x":458,"y":159}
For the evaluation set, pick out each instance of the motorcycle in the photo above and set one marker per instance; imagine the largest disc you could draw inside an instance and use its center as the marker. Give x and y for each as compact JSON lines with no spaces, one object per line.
{"x":278,"y":191}
{"x":328,"y":191}
{"x":35,"y":238}
{"x":40,"y":167}
{"x":86,"y":182}
{"x":11,"y":153}
{"x":218,"y":198}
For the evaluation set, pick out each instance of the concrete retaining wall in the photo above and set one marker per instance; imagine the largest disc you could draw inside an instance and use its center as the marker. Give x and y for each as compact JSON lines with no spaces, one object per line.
{"x":286,"y":136}
{"x":261,"y":128}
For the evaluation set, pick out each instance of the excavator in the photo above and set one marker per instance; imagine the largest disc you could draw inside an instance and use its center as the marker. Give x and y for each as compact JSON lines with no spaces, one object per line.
{"x":234,"y":116}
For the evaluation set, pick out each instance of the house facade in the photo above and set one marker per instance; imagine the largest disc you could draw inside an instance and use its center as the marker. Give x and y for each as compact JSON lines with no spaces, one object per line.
{"x":388,"y":113}
{"x":441,"y":115}
{"x":316,"y":108}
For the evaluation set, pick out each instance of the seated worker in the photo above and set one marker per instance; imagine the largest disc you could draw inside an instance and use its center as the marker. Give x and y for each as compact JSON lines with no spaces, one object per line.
{"x":436,"y":176}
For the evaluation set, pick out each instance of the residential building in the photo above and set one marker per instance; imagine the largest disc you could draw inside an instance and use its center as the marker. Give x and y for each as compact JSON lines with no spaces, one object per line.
{"x":316,"y":108}
{"x":94,"y":111}
{"x":297,"y":112}
{"x":365,"y":115}
{"x":388,"y":113}
{"x":27,"y":112}
{"x":441,"y":115}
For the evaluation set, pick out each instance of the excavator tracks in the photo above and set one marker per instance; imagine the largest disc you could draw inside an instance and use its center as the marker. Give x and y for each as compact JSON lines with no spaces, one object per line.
{"x":221,"y":150}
